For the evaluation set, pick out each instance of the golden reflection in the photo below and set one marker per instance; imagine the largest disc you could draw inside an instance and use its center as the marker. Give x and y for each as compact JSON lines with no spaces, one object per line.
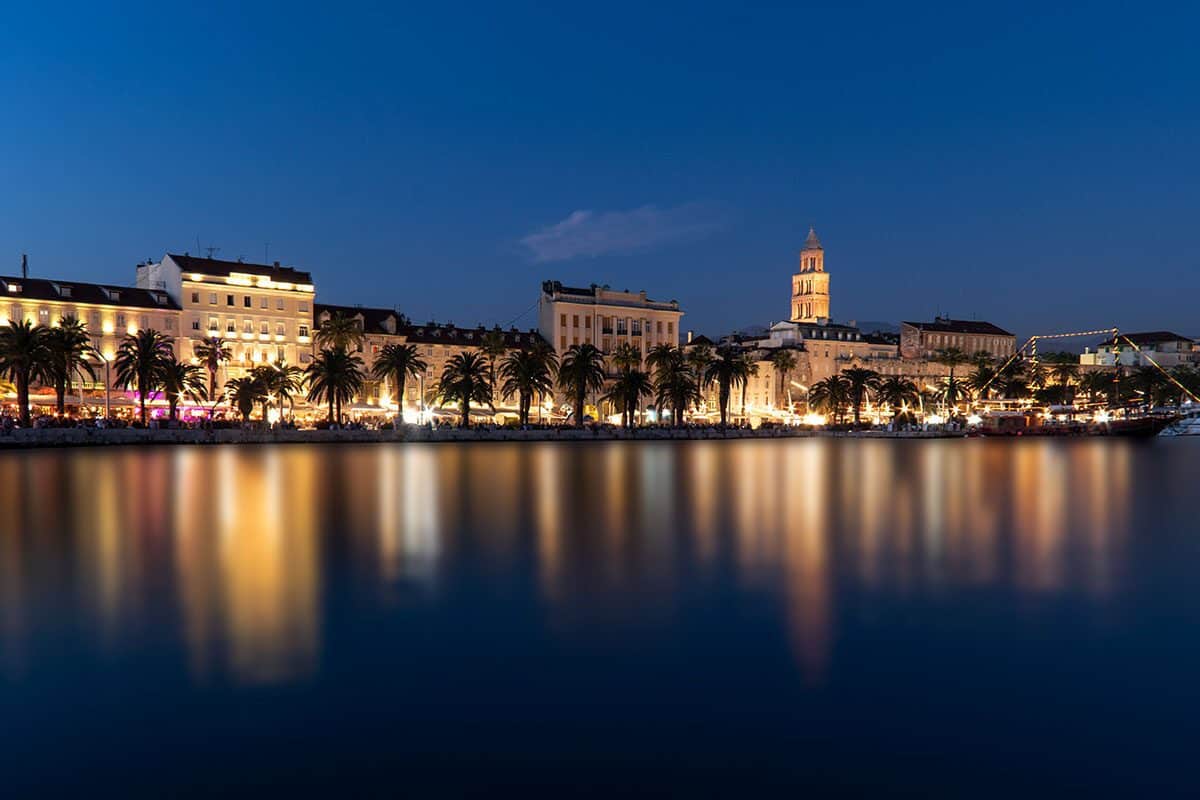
{"x":242,"y":543}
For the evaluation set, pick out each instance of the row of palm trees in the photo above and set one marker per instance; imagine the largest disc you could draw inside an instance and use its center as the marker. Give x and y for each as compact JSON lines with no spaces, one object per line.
{"x":1054,"y":379}
{"x":60,"y":355}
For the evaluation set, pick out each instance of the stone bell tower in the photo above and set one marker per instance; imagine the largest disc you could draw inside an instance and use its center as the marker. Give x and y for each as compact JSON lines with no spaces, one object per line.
{"x":810,"y":286}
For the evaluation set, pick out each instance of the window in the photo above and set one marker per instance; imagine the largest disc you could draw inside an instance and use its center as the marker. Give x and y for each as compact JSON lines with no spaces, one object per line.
{"x":228,"y":299}
{"x":195,"y":298}
{"x":247,"y":326}
{"x":212,"y":298}
{"x":266,"y":302}
{"x":305,"y":358}
{"x":44,"y":315}
{"x":246,"y":303}
{"x":670,"y":329}
{"x":231,"y":327}
{"x":303,"y":331}
{"x":574,"y":320}
{"x":303,"y":309}
{"x":562,"y":320}
{"x":170,"y":323}
{"x":587,"y":321}
{"x":195,"y":324}
{"x":120,"y":320}
{"x":562,"y":343}
{"x":279,"y":304}
{"x":622,"y":326}
{"x":279,"y":354}
{"x":265,"y":328}
{"x":279,"y":329}
{"x":212,"y":323}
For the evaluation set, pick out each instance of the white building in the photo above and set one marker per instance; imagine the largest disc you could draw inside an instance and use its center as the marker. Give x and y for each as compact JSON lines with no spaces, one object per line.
{"x":1166,"y":348}
{"x":264,"y":312}
{"x":605,"y":318}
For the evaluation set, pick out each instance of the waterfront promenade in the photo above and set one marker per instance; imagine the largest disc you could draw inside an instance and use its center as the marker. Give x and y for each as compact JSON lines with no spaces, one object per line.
{"x":85,"y":437}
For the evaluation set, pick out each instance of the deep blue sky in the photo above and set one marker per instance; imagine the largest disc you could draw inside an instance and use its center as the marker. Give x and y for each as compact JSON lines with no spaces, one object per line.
{"x":1036,"y":167}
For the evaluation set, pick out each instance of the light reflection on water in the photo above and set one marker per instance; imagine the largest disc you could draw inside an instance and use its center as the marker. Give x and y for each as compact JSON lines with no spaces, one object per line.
{"x":233,"y":549}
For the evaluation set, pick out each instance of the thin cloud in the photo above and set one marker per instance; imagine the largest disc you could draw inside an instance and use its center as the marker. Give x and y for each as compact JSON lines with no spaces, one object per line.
{"x":591,"y":233}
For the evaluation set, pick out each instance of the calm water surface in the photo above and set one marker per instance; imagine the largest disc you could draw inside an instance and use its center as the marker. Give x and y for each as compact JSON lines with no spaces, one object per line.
{"x":965,"y":617}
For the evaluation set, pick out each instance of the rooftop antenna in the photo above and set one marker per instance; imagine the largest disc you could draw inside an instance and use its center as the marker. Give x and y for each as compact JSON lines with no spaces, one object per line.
{"x":211,"y":250}
{"x":24,"y":266}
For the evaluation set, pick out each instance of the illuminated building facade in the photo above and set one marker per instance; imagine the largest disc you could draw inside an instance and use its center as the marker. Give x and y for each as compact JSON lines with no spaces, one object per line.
{"x":264,"y":312}
{"x":605,"y":318}
{"x":810,"y":285}
{"x":109,"y":312}
{"x":921,"y":340}
{"x":436,"y":344}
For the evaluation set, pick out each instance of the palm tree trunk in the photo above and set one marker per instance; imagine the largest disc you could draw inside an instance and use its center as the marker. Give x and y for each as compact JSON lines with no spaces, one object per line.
{"x":60,"y":392}
{"x":466,"y":412}
{"x":401,"y":385}
{"x":331,"y":409}
{"x":23,"y":398}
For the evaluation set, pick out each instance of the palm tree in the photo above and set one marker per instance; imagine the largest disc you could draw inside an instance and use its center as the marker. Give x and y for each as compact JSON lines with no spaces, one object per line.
{"x":399,"y":362}
{"x":751,"y":359}
{"x":334,"y":376}
{"x":784,"y":361}
{"x":581,"y":372}
{"x":465,"y":380}
{"x":952,"y":357}
{"x":69,"y":345}
{"x":1097,"y":384}
{"x":675,"y":384}
{"x":213,"y":352}
{"x":1149,"y":382}
{"x":281,"y":380}
{"x":244,"y":393}
{"x":831,"y":394}
{"x":699,"y":357}
{"x":494,"y":347}
{"x":627,"y":391}
{"x":140,"y":362}
{"x":339,"y":332}
{"x":982,"y":380}
{"x":727,"y":370}
{"x":528,"y":373}
{"x":24,"y":357}
{"x":180,"y":380}
{"x":950,"y":391}
{"x":862,"y":383}
{"x":625,"y":357}
{"x":897,"y":392}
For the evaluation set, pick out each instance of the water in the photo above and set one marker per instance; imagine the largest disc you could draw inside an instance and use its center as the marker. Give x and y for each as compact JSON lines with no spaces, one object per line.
{"x":963,"y":617}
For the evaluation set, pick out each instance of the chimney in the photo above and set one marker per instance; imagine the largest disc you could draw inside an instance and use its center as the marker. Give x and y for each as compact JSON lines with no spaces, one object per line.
{"x":24,"y":266}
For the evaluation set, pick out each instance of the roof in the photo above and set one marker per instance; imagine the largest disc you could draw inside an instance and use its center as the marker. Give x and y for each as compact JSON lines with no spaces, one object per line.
{"x":432,"y":333}
{"x":946,"y":325}
{"x":85,"y":293}
{"x":812,"y":242}
{"x":375,"y":320}
{"x":699,"y":340}
{"x":1151,"y":337}
{"x":214,"y":266}
{"x":597,"y":294}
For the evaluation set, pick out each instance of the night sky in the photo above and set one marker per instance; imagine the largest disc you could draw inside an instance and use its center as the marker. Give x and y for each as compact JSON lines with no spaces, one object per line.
{"x":1034,"y":166}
